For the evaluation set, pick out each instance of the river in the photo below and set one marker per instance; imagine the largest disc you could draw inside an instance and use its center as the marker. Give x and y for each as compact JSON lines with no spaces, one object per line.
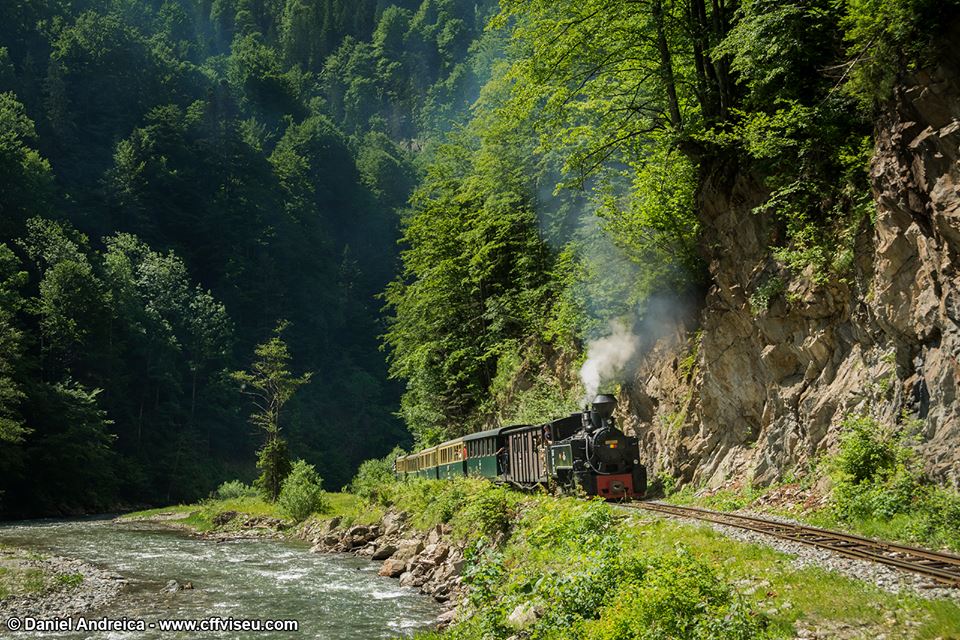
{"x":335,"y":597}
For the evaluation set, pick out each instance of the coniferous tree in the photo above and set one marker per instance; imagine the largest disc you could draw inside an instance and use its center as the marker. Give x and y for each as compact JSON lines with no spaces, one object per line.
{"x":270,"y":385}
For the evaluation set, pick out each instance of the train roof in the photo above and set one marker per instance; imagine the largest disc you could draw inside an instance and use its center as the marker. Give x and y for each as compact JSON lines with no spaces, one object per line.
{"x":489,"y":433}
{"x":520,"y":427}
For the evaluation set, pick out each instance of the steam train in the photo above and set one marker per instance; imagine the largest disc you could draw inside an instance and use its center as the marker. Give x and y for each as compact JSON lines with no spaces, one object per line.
{"x":583,"y":451}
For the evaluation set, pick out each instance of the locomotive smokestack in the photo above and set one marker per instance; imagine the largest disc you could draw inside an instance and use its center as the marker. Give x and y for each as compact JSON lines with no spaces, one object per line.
{"x":604,"y":404}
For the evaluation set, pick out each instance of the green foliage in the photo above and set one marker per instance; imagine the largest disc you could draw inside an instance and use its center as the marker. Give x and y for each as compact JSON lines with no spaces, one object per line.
{"x":273,"y":461}
{"x":474,"y":282}
{"x":878,"y":478}
{"x":674,"y":597}
{"x":487,"y":514}
{"x":766,"y":293}
{"x":655,"y":220}
{"x":233,"y":489}
{"x":869,"y":450}
{"x":476,"y":509}
{"x":574,"y":563}
{"x":269,"y":383}
{"x":888,"y":37}
{"x":375,"y":477}
{"x":302,"y":492}
{"x":12,"y":427}
{"x":203,"y":188}
{"x":70,"y":580}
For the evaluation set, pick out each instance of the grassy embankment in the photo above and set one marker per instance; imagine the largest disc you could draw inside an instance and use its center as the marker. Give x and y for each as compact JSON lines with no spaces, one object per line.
{"x":594,"y":571}
{"x":591,"y":570}
{"x":200,"y":517}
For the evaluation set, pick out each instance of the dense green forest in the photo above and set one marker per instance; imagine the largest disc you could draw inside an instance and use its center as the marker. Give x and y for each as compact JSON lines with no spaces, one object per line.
{"x":177,"y":176}
{"x":573,"y":196}
{"x":445,"y":199}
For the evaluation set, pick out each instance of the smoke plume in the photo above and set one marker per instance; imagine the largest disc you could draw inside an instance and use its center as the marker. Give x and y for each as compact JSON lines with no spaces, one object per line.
{"x":607,"y":357}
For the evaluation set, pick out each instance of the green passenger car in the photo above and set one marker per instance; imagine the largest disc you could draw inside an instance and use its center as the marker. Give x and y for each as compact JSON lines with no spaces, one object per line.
{"x":450,"y":460}
{"x":482,"y":449}
{"x":427,"y":463}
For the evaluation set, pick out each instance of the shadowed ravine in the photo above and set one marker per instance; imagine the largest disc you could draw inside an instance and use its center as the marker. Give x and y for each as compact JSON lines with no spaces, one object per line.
{"x":335,"y":597}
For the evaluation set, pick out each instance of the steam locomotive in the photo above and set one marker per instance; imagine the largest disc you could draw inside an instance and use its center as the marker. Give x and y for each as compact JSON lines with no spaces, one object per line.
{"x":583,"y":451}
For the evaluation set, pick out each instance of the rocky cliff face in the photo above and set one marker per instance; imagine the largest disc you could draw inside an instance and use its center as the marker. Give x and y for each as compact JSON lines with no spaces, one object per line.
{"x":759,"y":393}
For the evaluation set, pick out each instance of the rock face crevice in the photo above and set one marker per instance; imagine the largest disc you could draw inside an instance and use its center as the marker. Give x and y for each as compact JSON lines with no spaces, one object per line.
{"x":759,"y":393}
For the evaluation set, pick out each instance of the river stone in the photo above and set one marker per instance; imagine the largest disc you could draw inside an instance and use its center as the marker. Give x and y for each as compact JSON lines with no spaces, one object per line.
{"x":393,"y":567}
{"x":446,"y":618}
{"x":173,"y":586}
{"x":383,"y":552}
{"x":332,"y":524}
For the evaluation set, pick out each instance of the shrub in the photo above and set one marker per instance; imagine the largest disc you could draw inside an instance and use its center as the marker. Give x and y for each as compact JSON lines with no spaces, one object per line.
{"x":879,"y":487}
{"x":302,"y":492}
{"x":375,"y":477}
{"x":486,"y":513}
{"x":233,"y":489}
{"x":868,"y":449}
{"x":673,"y":597}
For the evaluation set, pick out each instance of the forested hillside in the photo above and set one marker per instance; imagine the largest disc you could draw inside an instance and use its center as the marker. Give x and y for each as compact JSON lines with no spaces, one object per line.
{"x":738,"y":215}
{"x":176,"y":177}
{"x":458,"y":206}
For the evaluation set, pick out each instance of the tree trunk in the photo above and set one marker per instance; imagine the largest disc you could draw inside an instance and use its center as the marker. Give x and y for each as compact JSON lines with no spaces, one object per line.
{"x":666,"y":66}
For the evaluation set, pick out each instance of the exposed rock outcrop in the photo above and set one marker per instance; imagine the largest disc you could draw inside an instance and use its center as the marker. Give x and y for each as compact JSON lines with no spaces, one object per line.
{"x":769,"y":387}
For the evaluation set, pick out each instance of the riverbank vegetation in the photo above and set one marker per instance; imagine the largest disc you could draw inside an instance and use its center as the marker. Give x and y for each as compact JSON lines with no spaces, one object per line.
{"x":561,"y":567}
{"x":549,"y":567}
{"x":876,"y":487}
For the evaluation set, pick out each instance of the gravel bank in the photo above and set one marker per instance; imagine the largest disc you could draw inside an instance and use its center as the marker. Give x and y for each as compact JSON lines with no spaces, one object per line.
{"x":70,"y":587}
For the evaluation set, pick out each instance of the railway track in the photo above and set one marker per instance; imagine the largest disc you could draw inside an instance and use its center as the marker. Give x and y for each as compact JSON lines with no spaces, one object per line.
{"x":944,"y":568}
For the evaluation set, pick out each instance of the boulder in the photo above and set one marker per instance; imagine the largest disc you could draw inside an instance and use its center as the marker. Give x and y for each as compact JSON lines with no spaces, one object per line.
{"x":358,"y":531}
{"x":407,"y":549}
{"x":383,"y":551}
{"x":392,"y":523}
{"x":331,"y":524}
{"x":331,"y":539}
{"x":393,"y":567}
{"x":446,"y":618}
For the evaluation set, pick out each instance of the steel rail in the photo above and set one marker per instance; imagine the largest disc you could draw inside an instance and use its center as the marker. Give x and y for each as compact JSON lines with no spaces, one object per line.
{"x":939,"y":566}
